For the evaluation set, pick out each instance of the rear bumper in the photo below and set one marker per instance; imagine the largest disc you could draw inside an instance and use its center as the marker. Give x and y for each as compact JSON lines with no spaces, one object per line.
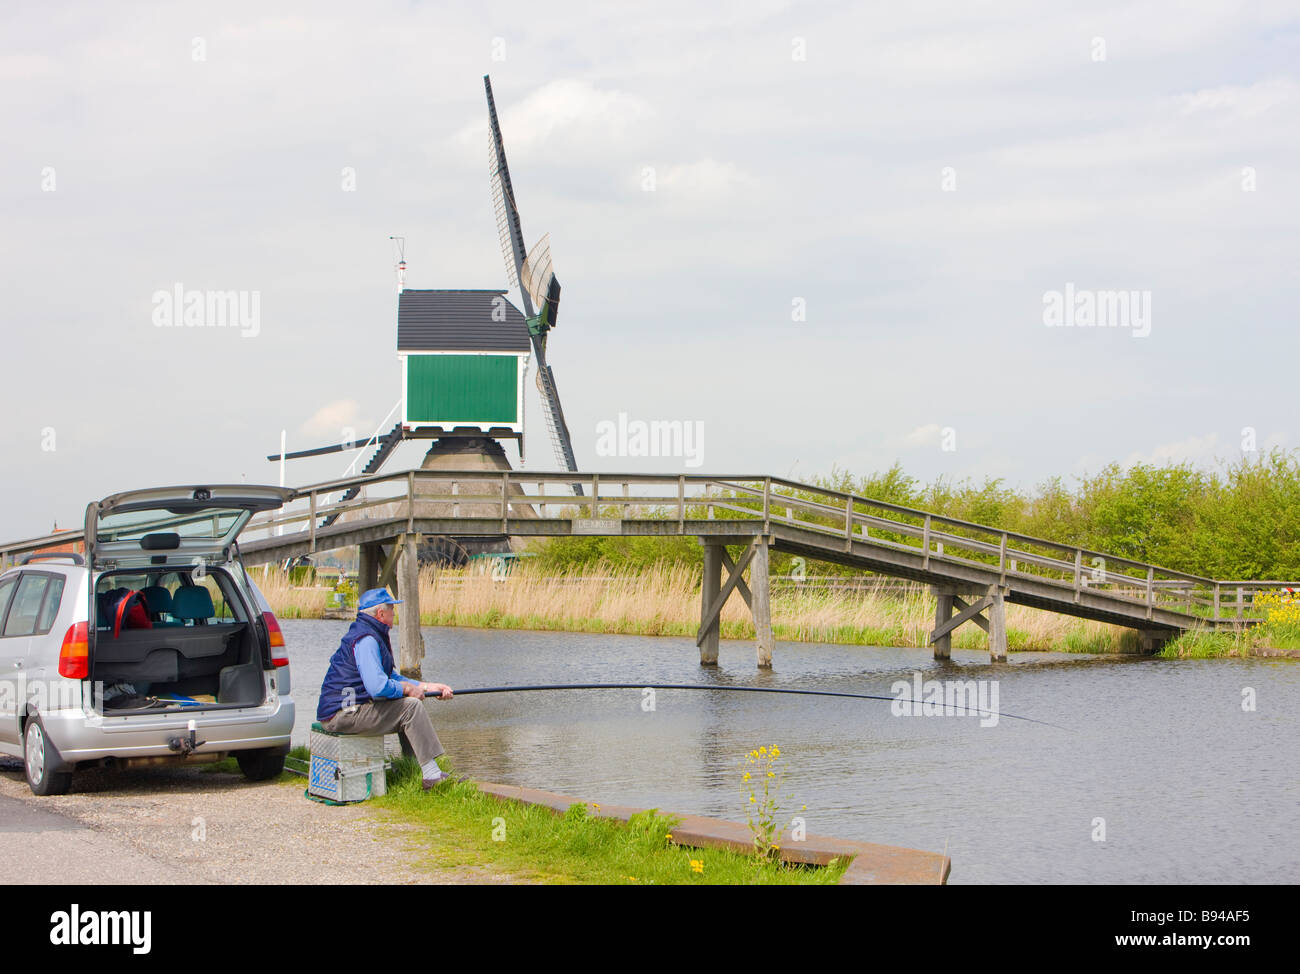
{"x":79,"y":737}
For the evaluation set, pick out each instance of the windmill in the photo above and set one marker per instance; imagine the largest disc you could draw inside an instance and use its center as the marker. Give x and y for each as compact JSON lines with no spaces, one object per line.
{"x":464,"y":357}
{"x":539,"y":288}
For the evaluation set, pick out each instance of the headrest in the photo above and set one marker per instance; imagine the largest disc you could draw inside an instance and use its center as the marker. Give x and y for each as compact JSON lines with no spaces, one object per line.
{"x":157,"y":598}
{"x":192,"y":602}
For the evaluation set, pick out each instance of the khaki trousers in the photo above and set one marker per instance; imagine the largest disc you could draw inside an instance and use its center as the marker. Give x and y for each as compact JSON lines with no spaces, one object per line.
{"x":405,"y":716}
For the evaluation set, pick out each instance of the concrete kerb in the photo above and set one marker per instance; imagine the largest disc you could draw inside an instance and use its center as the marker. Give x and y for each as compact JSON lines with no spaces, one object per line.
{"x":873,"y":865}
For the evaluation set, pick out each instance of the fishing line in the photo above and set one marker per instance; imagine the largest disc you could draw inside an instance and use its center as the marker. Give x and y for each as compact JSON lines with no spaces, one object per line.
{"x":973,"y":711}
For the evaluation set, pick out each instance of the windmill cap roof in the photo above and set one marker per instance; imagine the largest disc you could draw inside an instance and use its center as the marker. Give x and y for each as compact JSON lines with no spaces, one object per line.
{"x":460,"y":321}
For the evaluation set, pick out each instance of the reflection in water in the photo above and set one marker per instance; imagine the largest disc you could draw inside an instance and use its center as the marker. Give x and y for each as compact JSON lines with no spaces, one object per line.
{"x":1191,"y":787}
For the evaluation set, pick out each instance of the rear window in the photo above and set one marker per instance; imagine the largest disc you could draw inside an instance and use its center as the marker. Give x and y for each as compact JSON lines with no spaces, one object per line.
{"x":50,"y":610}
{"x":209,"y":524}
{"x":28,"y":615}
{"x":225,"y":605}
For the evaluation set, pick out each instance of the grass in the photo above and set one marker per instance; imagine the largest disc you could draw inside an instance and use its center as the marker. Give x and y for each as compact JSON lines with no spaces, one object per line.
{"x":457,"y":823}
{"x":664,"y":600}
{"x":463,"y":826}
{"x":1202,"y":644}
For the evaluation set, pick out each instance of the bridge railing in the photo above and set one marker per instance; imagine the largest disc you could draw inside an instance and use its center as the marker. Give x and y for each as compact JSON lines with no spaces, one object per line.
{"x":838,"y":517}
{"x":832,"y":519}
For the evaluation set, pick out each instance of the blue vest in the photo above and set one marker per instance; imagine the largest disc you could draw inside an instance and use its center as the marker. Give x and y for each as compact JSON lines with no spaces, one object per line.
{"x":343,"y":672}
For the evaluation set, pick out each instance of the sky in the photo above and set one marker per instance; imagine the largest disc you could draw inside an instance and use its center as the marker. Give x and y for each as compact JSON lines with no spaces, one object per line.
{"x":825,"y":235}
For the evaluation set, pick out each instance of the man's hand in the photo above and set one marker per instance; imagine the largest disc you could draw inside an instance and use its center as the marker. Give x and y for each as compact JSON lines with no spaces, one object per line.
{"x":413,"y":689}
{"x":440,"y":690}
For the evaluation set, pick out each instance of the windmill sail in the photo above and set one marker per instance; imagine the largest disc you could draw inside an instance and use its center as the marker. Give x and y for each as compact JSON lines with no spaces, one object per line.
{"x":539,"y":290}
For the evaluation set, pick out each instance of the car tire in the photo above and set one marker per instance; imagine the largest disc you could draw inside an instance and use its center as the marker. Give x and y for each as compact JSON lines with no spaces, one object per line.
{"x":40,"y":757}
{"x":260,"y":765}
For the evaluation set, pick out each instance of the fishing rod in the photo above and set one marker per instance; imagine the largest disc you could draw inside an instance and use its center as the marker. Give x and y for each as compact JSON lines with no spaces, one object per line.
{"x":739,"y":689}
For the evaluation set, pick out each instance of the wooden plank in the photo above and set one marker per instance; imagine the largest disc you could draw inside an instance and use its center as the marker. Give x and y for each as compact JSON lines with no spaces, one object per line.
{"x":968,"y":613}
{"x":389,"y":572}
{"x":741,"y":587}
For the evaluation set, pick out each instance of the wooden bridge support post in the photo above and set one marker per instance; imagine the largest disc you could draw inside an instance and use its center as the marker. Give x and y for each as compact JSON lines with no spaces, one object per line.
{"x":412,"y":643}
{"x":942,"y":613}
{"x":1151,"y":641}
{"x":997,"y":624}
{"x":760,"y":606}
{"x":368,"y":566}
{"x":994,"y":600}
{"x":710,"y":628}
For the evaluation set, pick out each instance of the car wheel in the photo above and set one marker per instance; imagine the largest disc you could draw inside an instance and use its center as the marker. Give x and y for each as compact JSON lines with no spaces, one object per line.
{"x":39,"y":759}
{"x":260,"y":765}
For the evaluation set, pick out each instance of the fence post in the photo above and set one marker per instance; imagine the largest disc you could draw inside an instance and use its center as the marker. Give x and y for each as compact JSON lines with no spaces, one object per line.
{"x":767,"y":503}
{"x":1151,"y":574}
{"x":312,"y":542}
{"x":925,"y":542}
{"x":410,"y":501}
{"x":1216,"y":601}
{"x":1002,"y":558}
{"x":681,"y":503}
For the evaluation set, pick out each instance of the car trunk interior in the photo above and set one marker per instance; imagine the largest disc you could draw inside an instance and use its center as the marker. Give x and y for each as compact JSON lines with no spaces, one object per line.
{"x":201,"y":645}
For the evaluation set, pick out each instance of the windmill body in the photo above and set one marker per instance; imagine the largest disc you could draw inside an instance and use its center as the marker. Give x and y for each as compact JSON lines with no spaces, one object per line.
{"x":464,"y":355}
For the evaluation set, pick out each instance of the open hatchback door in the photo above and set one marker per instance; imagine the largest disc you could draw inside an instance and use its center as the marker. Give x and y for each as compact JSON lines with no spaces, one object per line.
{"x":194,"y":525}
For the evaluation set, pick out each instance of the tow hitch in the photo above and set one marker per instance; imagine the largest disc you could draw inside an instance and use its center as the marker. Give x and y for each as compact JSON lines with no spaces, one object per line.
{"x":185,"y":746}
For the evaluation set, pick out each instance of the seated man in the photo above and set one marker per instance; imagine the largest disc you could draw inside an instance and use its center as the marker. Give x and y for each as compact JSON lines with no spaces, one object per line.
{"x":364,"y":694}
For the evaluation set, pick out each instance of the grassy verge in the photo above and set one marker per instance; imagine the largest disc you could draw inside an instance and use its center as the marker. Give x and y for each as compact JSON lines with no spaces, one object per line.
{"x":1273,"y":634}
{"x":575,"y":847}
{"x":460,"y":826}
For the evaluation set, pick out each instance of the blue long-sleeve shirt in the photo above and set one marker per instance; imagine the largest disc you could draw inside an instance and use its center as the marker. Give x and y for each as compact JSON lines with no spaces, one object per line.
{"x":380,"y":685}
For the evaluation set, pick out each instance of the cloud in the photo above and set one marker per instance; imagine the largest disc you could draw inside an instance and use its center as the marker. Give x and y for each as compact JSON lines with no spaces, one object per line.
{"x":927,"y":435}
{"x":339,"y":419}
{"x":1196,"y":449}
{"x":570,"y":110}
{"x":1246,"y":101}
{"x":706,"y":179}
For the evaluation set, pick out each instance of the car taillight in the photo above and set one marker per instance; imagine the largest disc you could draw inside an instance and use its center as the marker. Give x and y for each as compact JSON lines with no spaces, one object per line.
{"x":74,"y":654}
{"x":280,"y":658}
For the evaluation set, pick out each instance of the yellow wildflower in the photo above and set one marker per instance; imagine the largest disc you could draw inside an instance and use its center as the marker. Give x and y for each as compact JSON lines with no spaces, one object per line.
{"x":762,"y":750}
{"x":697,"y":865}
{"x":776,"y":751}
{"x":771,"y":774}
{"x":746,"y":778}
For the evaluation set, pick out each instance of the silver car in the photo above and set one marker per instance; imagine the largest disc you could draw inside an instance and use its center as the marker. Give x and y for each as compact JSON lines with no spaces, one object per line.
{"x":155,"y":648}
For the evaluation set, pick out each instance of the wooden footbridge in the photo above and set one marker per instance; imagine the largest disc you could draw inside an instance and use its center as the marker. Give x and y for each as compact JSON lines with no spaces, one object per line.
{"x":973,"y":569}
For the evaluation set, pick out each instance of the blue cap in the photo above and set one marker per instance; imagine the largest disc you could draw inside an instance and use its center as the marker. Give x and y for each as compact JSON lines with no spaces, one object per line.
{"x":376,"y":596}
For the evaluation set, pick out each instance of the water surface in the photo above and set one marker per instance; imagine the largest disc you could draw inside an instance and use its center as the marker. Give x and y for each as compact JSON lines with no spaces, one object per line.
{"x":1191,"y":787}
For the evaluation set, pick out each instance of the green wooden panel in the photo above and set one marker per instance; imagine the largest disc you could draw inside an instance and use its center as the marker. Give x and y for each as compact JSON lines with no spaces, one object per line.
{"x":446,"y":389}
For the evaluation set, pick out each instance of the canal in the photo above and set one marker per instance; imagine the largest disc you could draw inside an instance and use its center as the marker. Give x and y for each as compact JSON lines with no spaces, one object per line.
{"x":1156,"y":774}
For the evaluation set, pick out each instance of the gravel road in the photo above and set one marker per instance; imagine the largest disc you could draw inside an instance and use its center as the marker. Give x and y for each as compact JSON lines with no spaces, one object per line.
{"x":187,"y":826}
